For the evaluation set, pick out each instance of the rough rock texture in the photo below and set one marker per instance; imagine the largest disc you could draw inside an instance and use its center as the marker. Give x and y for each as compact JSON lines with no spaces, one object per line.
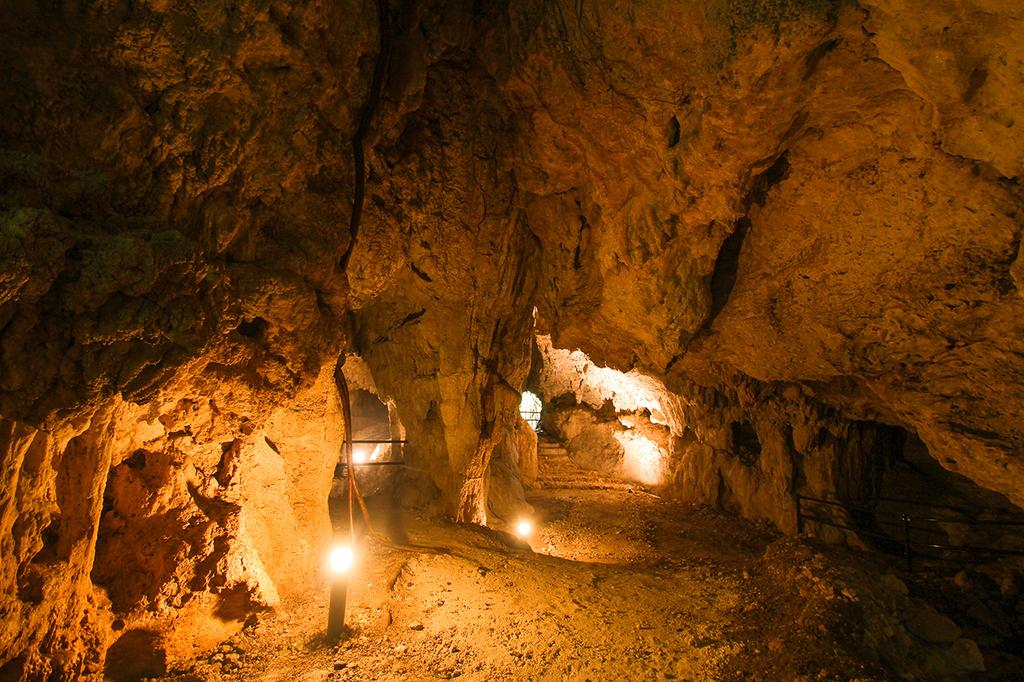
{"x":191,"y":532}
{"x":589,"y":439}
{"x":746,"y":448}
{"x":513,"y":465}
{"x":904,"y":628}
{"x":170,"y":317}
{"x":616,"y":423}
{"x":801,"y":217}
{"x":776,"y":224}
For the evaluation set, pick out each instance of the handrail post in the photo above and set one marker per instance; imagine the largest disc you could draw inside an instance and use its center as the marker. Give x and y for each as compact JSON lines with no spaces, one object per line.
{"x":906,"y":543}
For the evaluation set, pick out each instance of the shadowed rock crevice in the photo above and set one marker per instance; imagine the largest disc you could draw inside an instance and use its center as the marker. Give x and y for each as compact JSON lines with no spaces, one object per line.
{"x":723,"y":277}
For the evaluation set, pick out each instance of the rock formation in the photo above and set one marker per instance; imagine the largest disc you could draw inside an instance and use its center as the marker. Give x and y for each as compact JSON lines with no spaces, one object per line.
{"x":798,"y":219}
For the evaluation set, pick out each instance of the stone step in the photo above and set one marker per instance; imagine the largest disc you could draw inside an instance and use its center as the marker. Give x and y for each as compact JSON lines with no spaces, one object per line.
{"x":558,"y":471}
{"x":595,"y":484}
{"x":566,"y":465}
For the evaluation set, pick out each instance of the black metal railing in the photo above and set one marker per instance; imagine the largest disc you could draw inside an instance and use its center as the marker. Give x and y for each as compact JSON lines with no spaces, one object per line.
{"x":907,"y":528}
{"x":533,"y":415}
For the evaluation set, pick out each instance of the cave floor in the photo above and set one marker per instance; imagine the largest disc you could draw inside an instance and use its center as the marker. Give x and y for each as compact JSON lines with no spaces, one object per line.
{"x":622,"y":585}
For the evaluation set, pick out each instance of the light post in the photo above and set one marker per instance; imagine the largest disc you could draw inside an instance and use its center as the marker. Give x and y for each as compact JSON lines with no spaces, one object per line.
{"x":339,"y":564}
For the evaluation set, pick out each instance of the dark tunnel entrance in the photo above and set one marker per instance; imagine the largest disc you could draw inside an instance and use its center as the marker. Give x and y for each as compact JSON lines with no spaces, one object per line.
{"x":377,"y":457}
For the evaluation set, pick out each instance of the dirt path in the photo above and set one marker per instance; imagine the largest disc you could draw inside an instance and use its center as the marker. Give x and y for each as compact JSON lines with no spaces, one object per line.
{"x":622,"y":586}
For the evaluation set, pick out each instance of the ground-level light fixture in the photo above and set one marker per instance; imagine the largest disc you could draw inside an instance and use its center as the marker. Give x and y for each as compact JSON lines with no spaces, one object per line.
{"x":339,"y":563}
{"x":524,"y":528}
{"x":341,"y":559}
{"x":360,"y":454}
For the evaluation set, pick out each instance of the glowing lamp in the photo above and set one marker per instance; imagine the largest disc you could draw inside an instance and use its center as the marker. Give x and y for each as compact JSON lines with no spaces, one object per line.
{"x":339,"y":562}
{"x":524,"y":528}
{"x":341,"y":559}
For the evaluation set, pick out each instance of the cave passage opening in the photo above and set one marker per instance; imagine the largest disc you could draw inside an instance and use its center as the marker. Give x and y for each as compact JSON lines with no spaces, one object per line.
{"x":378,"y":455}
{"x":531,"y":409}
{"x":372,"y":420}
{"x":599,"y":420}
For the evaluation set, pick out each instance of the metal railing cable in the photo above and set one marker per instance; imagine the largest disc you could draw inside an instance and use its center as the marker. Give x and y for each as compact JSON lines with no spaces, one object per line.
{"x":354,"y":494}
{"x":908,"y":527}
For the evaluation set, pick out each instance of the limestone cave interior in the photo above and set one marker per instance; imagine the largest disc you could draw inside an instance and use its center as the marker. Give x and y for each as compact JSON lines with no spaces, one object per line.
{"x":511,"y":340}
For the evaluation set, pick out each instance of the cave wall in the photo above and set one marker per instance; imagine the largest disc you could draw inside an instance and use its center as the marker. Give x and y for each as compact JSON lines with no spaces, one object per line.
{"x":798,"y":215}
{"x":751,"y":448}
{"x":746,"y":447}
{"x":616,"y":423}
{"x":789,"y":192}
{"x":511,"y":470}
{"x":170,"y":318}
{"x":443,"y":276}
{"x":177,"y":183}
{"x":162,"y":526}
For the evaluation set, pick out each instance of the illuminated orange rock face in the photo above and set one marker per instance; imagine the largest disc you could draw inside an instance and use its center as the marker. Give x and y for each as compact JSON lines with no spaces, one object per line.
{"x":746,"y":449}
{"x":169,"y":307}
{"x":617,"y":423}
{"x":802,"y":218}
{"x":810,"y":225}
